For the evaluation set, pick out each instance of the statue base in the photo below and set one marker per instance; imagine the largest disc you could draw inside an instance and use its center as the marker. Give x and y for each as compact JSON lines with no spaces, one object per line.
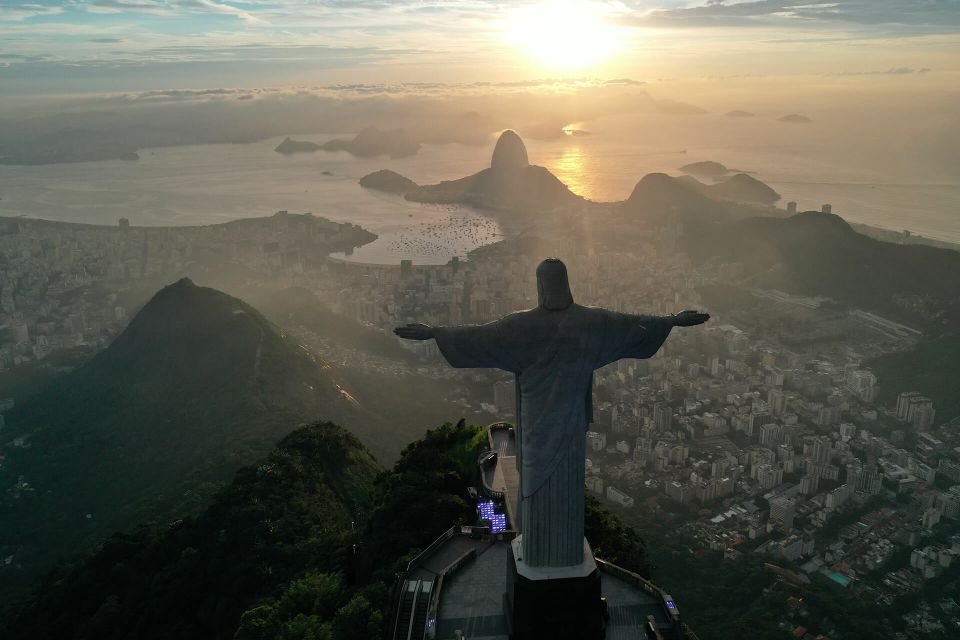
{"x":554,"y":602}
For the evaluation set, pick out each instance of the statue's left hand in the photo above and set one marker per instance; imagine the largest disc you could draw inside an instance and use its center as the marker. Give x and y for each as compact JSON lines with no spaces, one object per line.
{"x":690,"y":318}
{"x":415,"y":332}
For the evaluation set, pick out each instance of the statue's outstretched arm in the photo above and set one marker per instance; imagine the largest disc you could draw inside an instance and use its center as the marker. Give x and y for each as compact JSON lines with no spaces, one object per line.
{"x":415,"y":331}
{"x":689,"y":318}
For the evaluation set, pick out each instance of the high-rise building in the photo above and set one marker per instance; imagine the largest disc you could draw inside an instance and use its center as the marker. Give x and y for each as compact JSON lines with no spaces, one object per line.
{"x":848,"y":431}
{"x":782,"y":511}
{"x":827,"y":208}
{"x":704,"y":490}
{"x":791,"y":207}
{"x":828,"y":415}
{"x":624,"y":421}
{"x":868,"y":480}
{"x":822,"y":449}
{"x":596,"y":441}
{"x":769,"y":476}
{"x":931,"y":517}
{"x":923,"y":414}
{"x":903,"y":404}
{"x":677,"y":491}
{"x":863,"y":384}
{"x":837,"y":497}
{"x":771,"y":435}
{"x":950,"y":469}
{"x":662,"y":417}
{"x":757,"y":420}
{"x":809,"y":484}
{"x":777,"y":399}
{"x":916,"y":409}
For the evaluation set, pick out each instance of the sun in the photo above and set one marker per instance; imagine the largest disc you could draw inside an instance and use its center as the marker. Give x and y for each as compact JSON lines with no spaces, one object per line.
{"x":564,"y":34}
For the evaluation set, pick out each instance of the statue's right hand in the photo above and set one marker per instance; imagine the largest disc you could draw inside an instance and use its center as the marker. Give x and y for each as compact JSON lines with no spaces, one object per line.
{"x":415,"y":332}
{"x":690,"y":318}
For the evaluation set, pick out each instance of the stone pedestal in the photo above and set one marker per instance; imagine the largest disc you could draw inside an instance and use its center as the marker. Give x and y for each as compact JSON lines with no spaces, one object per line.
{"x":554,"y":602}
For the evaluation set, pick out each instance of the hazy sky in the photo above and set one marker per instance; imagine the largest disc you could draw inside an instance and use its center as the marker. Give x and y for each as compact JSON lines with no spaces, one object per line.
{"x":65,"y":46}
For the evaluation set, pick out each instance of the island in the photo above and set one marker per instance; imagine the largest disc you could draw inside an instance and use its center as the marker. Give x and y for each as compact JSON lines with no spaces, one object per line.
{"x":743,"y":188}
{"x":706,"y":169}
{"x":794,"y":118}
{"x":290,"y":146}
{"x":372,"y":142}
{"x":511,"y":183}
{"x":388,"y":181}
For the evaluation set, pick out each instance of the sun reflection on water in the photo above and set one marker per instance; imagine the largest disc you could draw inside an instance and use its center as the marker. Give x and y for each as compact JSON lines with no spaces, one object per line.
{"x":569,"y":167}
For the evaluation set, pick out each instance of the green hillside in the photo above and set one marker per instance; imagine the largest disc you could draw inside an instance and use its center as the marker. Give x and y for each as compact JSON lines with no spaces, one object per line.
{"x":820,"y":254}
{"x":296,"y":306}
{"x":289,"y":514}
{"x":303,"y":544}
{"x":198,"y":384}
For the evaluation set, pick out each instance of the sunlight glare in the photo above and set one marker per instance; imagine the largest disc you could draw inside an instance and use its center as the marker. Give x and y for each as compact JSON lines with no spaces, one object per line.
{"x":564,"y":34}
{"x":569,"y":168}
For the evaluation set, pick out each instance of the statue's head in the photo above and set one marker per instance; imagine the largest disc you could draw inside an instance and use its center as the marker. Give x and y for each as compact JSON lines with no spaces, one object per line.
{"x":553,"y":288}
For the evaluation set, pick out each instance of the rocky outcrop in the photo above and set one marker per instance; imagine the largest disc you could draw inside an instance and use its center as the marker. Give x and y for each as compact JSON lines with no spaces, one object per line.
{"x":510,"y":153}
{"x":388,"y":181}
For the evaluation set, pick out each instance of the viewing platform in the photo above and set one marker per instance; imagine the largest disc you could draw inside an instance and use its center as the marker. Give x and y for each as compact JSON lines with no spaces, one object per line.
{"x":455,"y":588}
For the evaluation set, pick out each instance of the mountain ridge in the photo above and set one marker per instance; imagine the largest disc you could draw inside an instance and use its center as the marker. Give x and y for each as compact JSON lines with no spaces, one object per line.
{"x":196,"y":385}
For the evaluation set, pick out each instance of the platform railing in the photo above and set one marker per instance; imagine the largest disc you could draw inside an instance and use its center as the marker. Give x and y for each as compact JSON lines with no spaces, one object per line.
{"x":443,"y":537}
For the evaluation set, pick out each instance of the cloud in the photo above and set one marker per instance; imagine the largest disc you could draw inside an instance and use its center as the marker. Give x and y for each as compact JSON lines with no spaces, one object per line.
{"x":169,"y":8}
{"x":19,"y":12}
{"x":941,"y":16}
{"x":895,"y":71}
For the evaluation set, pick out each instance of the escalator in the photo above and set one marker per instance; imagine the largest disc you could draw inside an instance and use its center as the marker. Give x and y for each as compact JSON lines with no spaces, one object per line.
{"x":420,"y":610}
{"x":405,"y":611}
{"x":413,"y":610}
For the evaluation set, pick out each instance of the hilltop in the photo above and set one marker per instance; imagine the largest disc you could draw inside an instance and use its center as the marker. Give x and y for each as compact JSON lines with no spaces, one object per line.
{"x":198,"y":384}
{"x":741,"y":187}
{"x":509,"y":184}
{"x":302,"y":544}
{"x":706,"y":169}
{"x":660,"y":197}
{"x":814,"y":253}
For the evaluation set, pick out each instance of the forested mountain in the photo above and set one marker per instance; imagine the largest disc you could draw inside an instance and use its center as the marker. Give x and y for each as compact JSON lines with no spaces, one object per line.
{"x":304,"y":544}
{"x":198,"y":384}
{"x":301,"y":545}
{"x":820,"y":254}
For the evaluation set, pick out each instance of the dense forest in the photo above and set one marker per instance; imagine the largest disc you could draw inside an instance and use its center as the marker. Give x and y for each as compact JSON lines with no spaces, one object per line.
{"x":303,"y":545}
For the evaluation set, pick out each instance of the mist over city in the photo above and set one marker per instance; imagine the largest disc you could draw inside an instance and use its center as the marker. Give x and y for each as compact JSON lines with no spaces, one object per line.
{"x":480,"y":320}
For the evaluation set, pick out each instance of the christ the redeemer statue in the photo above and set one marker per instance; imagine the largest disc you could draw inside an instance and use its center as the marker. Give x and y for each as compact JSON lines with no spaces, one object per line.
{"x":553,"y":350}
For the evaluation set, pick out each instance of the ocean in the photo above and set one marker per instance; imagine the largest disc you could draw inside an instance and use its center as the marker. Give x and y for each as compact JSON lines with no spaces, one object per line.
{"x":207,"y":184}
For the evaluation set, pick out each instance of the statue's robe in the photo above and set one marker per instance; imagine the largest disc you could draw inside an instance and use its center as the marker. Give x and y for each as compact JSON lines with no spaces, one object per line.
{"x":553,"y":355}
